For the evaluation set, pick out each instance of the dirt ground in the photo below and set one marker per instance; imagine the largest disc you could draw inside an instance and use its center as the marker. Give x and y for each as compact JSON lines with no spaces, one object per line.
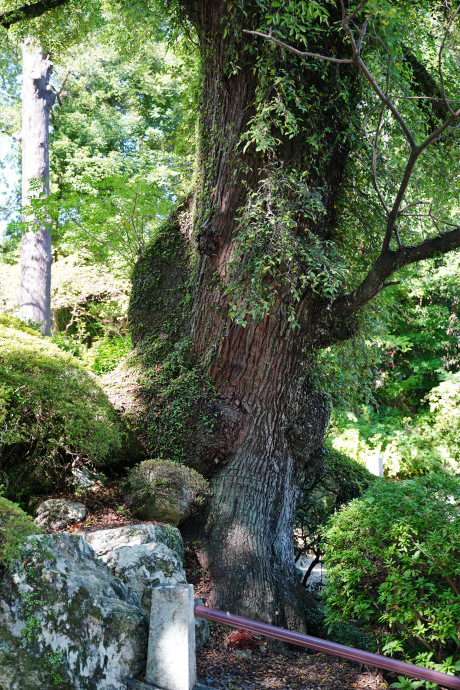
{"x":226,"y":669}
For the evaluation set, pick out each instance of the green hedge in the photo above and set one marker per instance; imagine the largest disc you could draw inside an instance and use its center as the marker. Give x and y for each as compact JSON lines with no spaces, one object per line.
{"x":393,"y":561}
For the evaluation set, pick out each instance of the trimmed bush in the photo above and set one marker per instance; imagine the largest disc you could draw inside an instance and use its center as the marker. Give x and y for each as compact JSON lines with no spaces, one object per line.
{"x":164,"y":490}
{"x":393,"y":561}
{"x":15,"y":526}
{"x":52,"y":412}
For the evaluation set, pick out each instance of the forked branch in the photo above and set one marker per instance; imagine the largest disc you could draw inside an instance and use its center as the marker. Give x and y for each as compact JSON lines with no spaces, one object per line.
{"x":388,"y":260}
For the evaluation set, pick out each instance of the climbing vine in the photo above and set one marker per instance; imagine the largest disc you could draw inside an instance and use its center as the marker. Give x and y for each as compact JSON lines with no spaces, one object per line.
{"x":276,"y":252}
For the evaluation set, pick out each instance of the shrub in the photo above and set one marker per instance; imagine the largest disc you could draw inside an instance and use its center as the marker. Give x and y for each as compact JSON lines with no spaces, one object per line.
{"x":15,"y":526}
{"x":106,"y":353}
{"x":52,"y":412}
{"x":329,"y":484}
{"x":392,"y":560}
{"x":157,"y":488}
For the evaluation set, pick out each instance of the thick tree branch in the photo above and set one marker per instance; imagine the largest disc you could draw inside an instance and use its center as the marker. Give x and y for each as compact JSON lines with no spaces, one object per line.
{"x":386,"y":264}
{"x":7,"y":19}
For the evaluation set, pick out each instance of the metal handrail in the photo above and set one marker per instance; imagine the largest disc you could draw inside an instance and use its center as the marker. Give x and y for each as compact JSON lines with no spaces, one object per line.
{"x":443,"y":679}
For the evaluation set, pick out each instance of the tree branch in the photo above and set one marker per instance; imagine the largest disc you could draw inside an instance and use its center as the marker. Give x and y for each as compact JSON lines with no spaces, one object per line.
{"x":7,"y":19}
{"x":298,"y":52}
{"x":386,"y":264}
{"x":106,"y":244}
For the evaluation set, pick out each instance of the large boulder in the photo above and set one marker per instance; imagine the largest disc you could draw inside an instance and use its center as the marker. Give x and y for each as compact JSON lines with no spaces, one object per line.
{"x":141,"y":556}
{"x":163,"y":490}
{"x":58,"y":513}
{"x":66,"y":621}
{"x":145,"y":556}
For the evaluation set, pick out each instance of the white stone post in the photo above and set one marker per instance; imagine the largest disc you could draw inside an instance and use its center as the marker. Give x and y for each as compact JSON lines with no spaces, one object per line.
{"x":375,"y":465}
{"x":171,"y":661}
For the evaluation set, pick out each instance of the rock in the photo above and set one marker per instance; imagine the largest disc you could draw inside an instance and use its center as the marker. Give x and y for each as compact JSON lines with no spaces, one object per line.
{"x":84,"y":481}
{"x":66,"y":621}
{"x":144,"y":556}
{"x":106,"y":540}
{"x":57,"y":513}
{"x":169,"y":509}
{"x":138,"y":555}
{"x":202,"y":630}
{"x":163,"y":490}
{"x":243,"y":653}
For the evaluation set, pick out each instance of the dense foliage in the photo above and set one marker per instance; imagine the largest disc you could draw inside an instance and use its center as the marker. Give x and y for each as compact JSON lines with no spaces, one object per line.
{"x":393,"y":562}
{"x":15,"y":526}
{"x":53,"y":413}
{"x":412,"y":421}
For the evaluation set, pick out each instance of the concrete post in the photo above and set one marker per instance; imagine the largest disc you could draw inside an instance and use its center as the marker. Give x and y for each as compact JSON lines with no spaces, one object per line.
{"x":171,"y":662}
{"x":375,"y":465}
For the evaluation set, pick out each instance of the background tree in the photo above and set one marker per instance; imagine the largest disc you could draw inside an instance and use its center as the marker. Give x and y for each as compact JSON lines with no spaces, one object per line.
{"x":37,"y":101}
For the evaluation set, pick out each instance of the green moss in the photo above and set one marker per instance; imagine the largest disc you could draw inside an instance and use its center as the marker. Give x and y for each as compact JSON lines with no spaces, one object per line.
{"x":174,"y":387}
{"x":15,"y":526}
{"x":52,"y":411}
{"x":12,"y":322}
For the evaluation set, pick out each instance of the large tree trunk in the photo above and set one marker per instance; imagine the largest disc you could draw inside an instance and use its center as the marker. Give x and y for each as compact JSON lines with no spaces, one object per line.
{"x":37,"y":101}
{"x":271,"y":421}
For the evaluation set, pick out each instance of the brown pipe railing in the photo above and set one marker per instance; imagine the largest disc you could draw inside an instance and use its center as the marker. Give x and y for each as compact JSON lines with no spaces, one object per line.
{"x":341,"y":650}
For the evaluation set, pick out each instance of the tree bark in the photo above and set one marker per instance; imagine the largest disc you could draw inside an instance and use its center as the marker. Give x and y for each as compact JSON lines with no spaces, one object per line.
{"x":37,"y":101}
{"x":270,"y":418}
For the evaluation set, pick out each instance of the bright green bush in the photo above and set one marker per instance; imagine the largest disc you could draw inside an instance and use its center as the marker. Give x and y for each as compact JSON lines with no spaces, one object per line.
{"x":106,"y":353}
{"x":52,"y":412}
{"x":15,"y":526}
{"x":411,"y":445}
{"x":393,"y":561}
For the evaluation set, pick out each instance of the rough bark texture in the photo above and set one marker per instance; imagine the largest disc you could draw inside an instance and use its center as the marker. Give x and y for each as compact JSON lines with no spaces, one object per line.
{"x":268,"y":418}
{"x":37,"y":101}
{"x":269,"y":421}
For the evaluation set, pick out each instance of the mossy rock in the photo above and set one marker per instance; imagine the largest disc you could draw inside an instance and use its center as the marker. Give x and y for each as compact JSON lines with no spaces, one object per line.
{"x":164,"y":491}
{"x":66,"y":621}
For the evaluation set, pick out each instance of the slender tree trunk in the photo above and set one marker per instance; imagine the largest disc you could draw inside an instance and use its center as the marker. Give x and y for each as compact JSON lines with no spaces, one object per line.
{"x":37,"y":101}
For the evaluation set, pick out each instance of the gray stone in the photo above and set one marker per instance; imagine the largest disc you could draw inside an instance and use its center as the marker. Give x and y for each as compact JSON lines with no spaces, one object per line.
{"x":135,"y":556}
{"x":202,"y":630}
{"x":66,"y":621}
{"x":106,"y":540}
{"x":57,"y":513}
{"x":171,"y":661}
{"x":85,"y":481}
